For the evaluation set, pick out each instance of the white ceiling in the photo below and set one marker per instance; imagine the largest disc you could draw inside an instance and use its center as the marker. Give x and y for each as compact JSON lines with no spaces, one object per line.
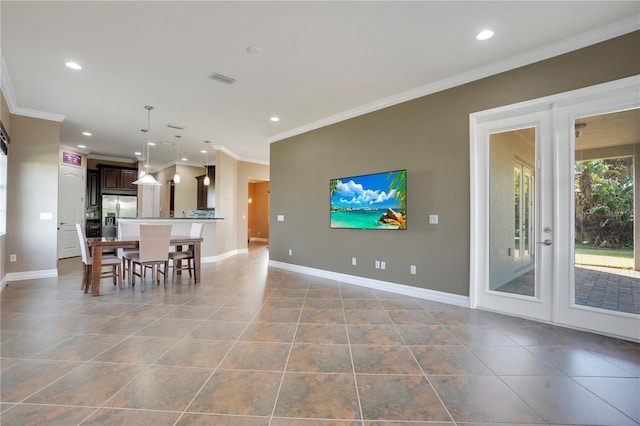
{"x":319,"y":62}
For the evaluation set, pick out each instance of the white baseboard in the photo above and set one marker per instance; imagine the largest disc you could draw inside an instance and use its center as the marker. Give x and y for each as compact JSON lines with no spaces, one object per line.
{"x":421,"y":293}
{"x":31,"y":275}
{"x":218,"y":258}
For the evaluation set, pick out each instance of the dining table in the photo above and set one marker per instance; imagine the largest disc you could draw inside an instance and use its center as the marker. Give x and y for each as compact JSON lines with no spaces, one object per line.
{"x":97,"y":245}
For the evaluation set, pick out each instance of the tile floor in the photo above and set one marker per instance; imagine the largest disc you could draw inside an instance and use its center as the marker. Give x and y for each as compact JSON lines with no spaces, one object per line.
{"x":253,"y":345}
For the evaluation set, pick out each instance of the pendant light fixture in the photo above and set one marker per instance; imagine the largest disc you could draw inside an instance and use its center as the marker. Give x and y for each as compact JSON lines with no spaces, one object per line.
{"x":143,"y":171}
{"x":176,"y":177}
{"x":147,"y":179}
{"x":207,"y":181}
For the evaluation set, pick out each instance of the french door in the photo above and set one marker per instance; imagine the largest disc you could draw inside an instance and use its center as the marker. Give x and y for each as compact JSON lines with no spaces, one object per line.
{"x":514,"y":213}
{"x":526,"y":206}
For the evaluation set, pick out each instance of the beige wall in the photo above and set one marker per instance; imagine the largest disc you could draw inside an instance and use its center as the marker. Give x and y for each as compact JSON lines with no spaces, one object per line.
{"x":186,"y":192}
{"x":226,"y":201}
{"x":32,"y":189}
{"x":428,"y":136}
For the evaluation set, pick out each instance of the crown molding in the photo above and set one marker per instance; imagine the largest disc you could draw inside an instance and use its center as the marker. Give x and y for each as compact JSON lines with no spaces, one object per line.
{"x":5,"y":85}
{"x":115,"y":159}
{"x":38,"y":114}
{"x":10,"y":98}
{"x":237,"y":156}
{"x":567,"y":45}
{"x":83,"y":151}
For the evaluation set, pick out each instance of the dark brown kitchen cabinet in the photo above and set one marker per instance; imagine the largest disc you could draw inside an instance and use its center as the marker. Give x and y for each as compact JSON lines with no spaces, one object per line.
{"x":128,"y":177}
{"x":118,"y":180}
{"x":202,"y":193}
{"x":93,"y":189}
{"x":203,"y":190}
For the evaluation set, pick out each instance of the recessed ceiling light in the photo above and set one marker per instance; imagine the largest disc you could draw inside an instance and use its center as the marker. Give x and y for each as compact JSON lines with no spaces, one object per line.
{"x":275,"y":119}
{"x":87,"y":133}
{"x":184,"y":159}
{"x":73,"y":65}
{"x":152,"y":143}
{"x":81,"y":146}
{"x":484,"y":35}
{"x":137,"y":153}
{"x":204,"y":151}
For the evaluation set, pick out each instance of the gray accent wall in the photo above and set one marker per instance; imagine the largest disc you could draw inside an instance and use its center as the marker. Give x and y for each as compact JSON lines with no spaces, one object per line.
{"x":429,"y":137}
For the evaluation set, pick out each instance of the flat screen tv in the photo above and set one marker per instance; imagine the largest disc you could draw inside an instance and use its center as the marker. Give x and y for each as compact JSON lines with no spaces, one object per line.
{"x":372,"y":201}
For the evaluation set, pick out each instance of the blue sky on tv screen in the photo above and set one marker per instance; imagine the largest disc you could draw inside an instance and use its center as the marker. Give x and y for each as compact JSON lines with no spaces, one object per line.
{"x":367,"y":191}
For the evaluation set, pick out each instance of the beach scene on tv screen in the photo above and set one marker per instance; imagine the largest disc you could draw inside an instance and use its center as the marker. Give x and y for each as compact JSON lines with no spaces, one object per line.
{"x":373,"y":201}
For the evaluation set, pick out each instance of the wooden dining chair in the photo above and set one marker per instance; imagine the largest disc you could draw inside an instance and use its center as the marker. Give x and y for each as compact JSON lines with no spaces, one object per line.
{"x":178,"y":256}
{"x":126,"y":231}
{"x":87,"y":261}
{"x":153,"y":253}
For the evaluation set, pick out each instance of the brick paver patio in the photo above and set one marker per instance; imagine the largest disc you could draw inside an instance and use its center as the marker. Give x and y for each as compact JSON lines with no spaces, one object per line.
{"x":596,"y":286}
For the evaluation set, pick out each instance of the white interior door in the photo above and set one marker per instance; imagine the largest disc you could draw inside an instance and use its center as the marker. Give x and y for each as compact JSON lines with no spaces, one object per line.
{"x":71,"y":193}
{"x":539,"y":276}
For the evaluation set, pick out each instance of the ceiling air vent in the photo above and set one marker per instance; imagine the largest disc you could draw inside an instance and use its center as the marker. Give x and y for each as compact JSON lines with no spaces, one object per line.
{"x":222,"y":78}
{"x":175,"y":126}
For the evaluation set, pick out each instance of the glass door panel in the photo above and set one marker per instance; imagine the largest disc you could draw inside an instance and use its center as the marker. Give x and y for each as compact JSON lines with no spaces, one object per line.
{"x":605,"y":270}
{"x":512,"y":260}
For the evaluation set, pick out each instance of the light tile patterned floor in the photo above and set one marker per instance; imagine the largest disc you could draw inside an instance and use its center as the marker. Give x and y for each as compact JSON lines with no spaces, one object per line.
{"x":253,"y":345}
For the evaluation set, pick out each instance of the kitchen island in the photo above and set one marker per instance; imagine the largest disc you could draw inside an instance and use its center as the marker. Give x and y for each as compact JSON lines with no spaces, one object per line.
{"x":213,"y":248}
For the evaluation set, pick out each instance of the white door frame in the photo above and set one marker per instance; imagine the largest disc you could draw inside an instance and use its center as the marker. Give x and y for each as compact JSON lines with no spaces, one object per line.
{"x":563,"y":108}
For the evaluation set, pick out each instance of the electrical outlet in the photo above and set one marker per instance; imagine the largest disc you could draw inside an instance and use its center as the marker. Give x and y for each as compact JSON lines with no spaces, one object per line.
{"x":383,"y":264}
{"x":354,"y":261}
{"x":13,"y":258}
{"x":377,"y":264}
{"x":413,"y":270}
{"x":290,"y":252}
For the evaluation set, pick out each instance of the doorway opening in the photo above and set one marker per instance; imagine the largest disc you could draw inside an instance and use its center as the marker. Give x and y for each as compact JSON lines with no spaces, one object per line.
{"x":258,"y":211}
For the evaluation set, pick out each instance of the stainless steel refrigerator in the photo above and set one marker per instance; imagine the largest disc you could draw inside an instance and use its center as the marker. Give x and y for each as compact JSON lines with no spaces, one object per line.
{"x":115,"y":207}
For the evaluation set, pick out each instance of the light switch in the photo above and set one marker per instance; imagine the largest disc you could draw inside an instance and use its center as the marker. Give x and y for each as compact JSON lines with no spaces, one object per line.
{"x":433,"y":219}
{"x":46,"y":216}
{"x":280,"y":218}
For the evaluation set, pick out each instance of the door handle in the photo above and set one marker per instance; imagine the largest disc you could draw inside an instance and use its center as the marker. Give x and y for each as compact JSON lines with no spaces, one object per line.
{"x":545,"y":242}
{"x":63,"y":223}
